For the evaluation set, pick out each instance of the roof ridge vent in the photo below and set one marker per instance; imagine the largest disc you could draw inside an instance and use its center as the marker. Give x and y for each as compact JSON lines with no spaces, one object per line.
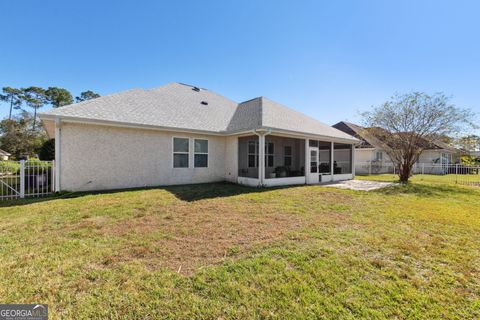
{"x":197,"y":89}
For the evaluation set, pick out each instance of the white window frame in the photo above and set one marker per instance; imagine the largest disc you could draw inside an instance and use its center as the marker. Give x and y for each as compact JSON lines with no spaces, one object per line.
{"x":174,"y":152}
{"x":195,"y":153}
{"x":377,"y":158}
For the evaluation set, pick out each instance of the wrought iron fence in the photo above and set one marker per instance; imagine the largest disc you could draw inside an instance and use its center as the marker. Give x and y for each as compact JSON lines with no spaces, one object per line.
{"x":30,"y":178}
{"x":457,"y":173}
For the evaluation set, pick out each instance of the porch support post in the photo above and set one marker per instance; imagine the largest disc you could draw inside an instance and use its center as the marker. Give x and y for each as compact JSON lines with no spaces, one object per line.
{"x":261,"y":160}
{"x":307,"y":160}
{"x":331,"y":159}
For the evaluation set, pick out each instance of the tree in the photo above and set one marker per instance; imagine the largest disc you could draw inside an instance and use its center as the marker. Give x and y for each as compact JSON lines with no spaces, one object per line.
{"x":58,"y":97}
{"x":13,"y":97}
{"x":47,"y":150}
{"x":86,"y":95}
{"x":35,"y":98}
{"x":17,"y":139}
{"x":408,"y":123}
{"x":469,"y":142}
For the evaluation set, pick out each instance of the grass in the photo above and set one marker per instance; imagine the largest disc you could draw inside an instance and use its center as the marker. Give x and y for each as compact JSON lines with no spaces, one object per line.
{"x":220,"y":251}
{"x":449,"y":179}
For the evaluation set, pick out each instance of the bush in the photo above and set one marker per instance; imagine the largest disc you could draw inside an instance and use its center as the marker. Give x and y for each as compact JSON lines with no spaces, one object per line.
{"x":47,"y":151}
{"x":37,"y":163}
{"x":12,"y":167}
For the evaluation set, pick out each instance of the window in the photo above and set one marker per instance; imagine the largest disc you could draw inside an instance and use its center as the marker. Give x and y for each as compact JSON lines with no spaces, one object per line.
{"x":313,"y":143}
{"x":200,"y":153}
{"x":269,"y":154}
{"x":287,"y":156}
{"x":252,"y":154}
{"x":180,"y":152}
{"x":379,"y":156}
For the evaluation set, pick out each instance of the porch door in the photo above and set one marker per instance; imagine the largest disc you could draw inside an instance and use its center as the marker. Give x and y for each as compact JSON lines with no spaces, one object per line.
{"x":312,"y":170}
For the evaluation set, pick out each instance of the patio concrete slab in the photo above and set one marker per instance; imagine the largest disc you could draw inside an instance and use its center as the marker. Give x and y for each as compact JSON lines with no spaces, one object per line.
{"x":361,"y":185}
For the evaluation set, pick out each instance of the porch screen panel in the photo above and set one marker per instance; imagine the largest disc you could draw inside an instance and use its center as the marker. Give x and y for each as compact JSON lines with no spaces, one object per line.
{"x":248,"y":156}
{"x":324,"y":148}
{"x":342,"y":158}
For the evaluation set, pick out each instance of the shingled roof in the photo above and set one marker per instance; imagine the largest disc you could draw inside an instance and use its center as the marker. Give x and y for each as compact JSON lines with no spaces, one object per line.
{"x":181,"y":106}
{"x":369,"y":140}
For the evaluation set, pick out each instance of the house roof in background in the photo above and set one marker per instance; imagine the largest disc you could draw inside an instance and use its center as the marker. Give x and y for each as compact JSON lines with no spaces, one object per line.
{"x":185,"y":107}
{"x":370,"y":141}
{"x":4,"y":153}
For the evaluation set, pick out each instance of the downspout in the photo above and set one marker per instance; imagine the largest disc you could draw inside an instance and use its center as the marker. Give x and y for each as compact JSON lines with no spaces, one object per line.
{"x":58,"y":159}
{"x":261,"y":153}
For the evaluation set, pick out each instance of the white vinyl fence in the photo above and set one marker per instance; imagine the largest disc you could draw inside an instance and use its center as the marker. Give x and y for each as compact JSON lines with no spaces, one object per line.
{"x":31,"y":178}
{"x":457,"y":173}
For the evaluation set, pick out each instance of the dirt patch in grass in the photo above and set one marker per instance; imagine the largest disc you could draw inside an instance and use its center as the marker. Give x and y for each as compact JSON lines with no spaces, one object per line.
{"x":188,"y":236}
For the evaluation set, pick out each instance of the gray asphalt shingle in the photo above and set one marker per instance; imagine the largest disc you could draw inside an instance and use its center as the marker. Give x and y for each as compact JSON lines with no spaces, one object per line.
{"x":180,"y":106}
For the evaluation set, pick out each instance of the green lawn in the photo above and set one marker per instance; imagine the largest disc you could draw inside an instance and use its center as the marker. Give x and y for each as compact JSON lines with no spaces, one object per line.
{"x":449,"y":179}
{"x":221,"y":251}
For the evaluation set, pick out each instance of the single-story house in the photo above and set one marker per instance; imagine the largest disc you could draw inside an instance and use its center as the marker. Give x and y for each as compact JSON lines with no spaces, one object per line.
{"x":370,"y":152}
{"x":181,"y":134}
{"x":4,"y":155}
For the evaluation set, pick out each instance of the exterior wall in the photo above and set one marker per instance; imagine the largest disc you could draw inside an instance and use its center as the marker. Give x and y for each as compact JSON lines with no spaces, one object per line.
{"x":284,"y":181}
{"x":231,"y":157}
{"x":430,"y":156}
{"x":251,"y":182}
{"x":95,"y":157}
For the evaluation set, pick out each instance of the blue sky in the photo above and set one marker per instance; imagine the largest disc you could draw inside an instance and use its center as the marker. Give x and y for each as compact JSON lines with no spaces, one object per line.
{"x":328,"y":59}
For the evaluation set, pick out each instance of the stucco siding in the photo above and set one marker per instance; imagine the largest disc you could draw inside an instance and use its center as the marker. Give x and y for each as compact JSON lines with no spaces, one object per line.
{"x":430,"y":156}
{"x":95,"y":157}
{"x":231,"y":157}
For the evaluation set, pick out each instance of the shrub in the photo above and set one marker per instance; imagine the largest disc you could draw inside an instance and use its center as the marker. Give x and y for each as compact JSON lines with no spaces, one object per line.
{"x":47,"y":151}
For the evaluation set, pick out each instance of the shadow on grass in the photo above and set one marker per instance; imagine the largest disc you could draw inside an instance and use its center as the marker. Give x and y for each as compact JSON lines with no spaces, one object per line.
{"x":189,"y":193}
{"x":197,"y":192}
{"x":428,"y":190}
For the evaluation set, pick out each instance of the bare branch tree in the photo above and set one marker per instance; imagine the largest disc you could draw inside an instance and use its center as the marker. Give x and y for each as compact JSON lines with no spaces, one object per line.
{"x":407,"y":124}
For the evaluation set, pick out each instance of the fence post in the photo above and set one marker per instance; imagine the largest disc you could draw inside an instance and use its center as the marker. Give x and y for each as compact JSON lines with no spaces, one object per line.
{"x":52,"y":176}
{"x":22,"y":179}
{"x":456,"y":173}
{"x":370,"y":168}
{"x":423,"y":168}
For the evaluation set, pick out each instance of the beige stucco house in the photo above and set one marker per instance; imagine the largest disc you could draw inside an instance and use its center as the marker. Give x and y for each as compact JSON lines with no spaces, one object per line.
{"x":4,"y":155}
{"x":181,"y":134}
{"x":370,"y":152}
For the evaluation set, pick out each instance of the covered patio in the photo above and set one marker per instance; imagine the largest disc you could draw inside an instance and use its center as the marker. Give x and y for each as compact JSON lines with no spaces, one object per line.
{"x":268,"y":158}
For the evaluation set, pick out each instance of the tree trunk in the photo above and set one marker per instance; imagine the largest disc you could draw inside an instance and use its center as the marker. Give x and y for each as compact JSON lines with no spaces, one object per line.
{"x":11,"y":106}
{"x":405,"y":172}
{"x":34,"y":118}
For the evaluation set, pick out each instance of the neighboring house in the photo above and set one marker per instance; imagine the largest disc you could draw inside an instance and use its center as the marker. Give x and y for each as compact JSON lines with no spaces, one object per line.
{"x":4,"y":155}
{"x":475,"y":154}
{"x":180,"y":134}
{"x":370,"y":152}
